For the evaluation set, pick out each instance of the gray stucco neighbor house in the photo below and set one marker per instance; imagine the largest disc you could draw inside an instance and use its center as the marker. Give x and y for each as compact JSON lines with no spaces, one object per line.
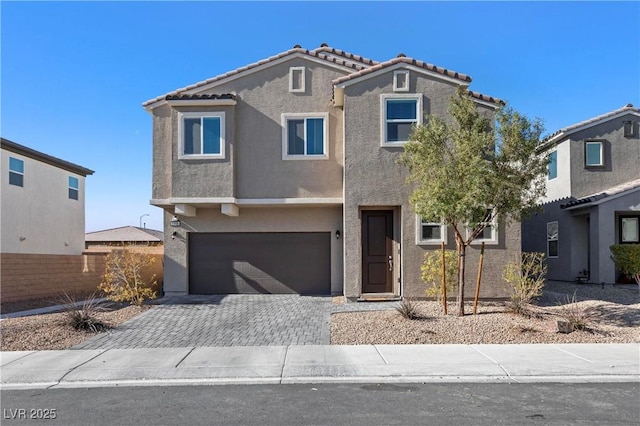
{"x":593,"y":197}
{"x":282,"y":177}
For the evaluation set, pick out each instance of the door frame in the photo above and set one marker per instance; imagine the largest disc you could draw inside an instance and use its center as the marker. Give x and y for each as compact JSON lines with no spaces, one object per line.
{"x":396,"y":248}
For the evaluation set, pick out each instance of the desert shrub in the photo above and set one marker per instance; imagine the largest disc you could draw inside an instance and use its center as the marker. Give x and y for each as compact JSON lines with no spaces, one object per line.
{"x":431,"y":269}
{"x":525,"y":277}
{"x":82,"y":316}
{"x":627,"y":259}
{"x":124,"y":279}
{"x":579,"y":317}
{"x":407,"y":309}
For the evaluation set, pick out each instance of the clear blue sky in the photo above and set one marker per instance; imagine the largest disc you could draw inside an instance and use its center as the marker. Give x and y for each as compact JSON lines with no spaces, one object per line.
{"x":74,"y":74}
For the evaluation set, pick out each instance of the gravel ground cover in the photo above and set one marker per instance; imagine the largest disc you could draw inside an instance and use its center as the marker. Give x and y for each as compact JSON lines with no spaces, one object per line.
{"x":614,"y":312}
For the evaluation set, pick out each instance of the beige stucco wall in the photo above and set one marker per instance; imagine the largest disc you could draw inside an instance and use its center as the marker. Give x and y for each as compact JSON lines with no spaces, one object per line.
{"x":292,"y":219}
{"x":39,"y":217}
{"x":374,"y":179}
{"x":253,"y":167}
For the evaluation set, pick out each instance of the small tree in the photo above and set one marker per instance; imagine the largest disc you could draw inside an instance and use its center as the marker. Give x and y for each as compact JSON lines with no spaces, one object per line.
{"x":124,"y":279}
{"x":627,"y":259}
{"x":525,"y":276}
{"x":432,"y":272}
{"x":466,"y":172}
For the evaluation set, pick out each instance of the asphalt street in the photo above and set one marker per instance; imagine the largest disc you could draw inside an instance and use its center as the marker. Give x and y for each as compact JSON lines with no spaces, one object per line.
{"x":329,"y":404}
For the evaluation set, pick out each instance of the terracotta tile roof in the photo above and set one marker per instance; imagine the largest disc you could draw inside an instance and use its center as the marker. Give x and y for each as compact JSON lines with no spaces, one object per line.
{"x":354,"y":62}
{"x":618,"y":189}
{"x":124,"y":234}
{"x":346,"y":55}
{"x":405,"y":60}
{"x":486,"y":98}
{"x":197,"y":97}
{"x":574,"y":127}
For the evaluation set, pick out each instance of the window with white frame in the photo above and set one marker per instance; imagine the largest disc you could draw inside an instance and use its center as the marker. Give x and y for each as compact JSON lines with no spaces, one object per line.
{"x":629,"y":129}
{"x":593,"y":153}
{"x":74,"y":188}
{"x":401,"y":81}
{"x":16,"y":172}
{"x":430,"y":232}
{"x":552,"y":239}
{"x":202,"y":135}
{"x":553,"y":165}
{"x":489,"y":233}
{"x":399,"y":114}
{"x":296,"y":79}
{"x":304,"y":136}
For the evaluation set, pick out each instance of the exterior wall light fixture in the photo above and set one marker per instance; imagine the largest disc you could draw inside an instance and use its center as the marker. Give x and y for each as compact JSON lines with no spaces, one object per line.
{"x":175,"y":222}
{"x":338,"y":234}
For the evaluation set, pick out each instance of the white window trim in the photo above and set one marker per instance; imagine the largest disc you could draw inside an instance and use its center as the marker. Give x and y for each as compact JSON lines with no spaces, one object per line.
{"x":285,"y":135}
{"x":291,"y":79}
{"x":556,"y":239}
{"x":493,"y":240}
{"x":15,"y":171}
{"x":397,"y":88}
{"x":431,"y":241}
{"x":601,"y":153}
{"x":217,"y":114}
{"x":548,"y":168}
{"x":383,"y":115}
{"x":71,"y":187}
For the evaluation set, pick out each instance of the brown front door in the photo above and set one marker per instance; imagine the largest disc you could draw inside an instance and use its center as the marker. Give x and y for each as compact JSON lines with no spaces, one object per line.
{"x":377,"y":253}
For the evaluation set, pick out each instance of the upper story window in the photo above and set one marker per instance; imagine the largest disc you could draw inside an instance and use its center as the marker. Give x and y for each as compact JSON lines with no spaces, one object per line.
{"x":16,"y":172}
{"x":430,"y":232}
{"x":629,"y":129}
{"x":593,"y":154}
{"x":553,"y":165}
{"x":74,"y":188}
{"x":202,"y":135}
{"x":552,"y":239}
{"x":399,"y":114}
{"x":304,"y":136}
{"x":296,"y":79}
{"x":401,"y":81}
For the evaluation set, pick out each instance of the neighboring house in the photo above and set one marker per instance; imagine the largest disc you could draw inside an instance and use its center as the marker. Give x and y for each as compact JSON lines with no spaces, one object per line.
{"x":148,"y":239}
{"x":593,"y":197}
{"x":42,"y":202}
{"x":282,"y":177}
{"x":42,"y":231}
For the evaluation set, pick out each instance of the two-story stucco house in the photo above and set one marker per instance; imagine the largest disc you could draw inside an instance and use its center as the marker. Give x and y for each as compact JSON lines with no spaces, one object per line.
{"x":282,"y":177}
{"x":42,"y":202}
{"x":593,"y":197}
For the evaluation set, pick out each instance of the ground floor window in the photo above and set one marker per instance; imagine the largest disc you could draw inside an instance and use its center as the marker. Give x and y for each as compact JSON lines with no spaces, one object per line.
{"x":629,"y":229}
{"x":552,"y":239}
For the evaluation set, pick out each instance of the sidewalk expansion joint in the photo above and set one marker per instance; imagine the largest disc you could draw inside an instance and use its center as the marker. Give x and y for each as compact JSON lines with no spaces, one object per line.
{"x":184,"y":357}
{"x":284,"y":363}
{"x":509,"y":376}
{"x":572,"y":354}
{"x":76,"y":367}
{"x":381,"y":356}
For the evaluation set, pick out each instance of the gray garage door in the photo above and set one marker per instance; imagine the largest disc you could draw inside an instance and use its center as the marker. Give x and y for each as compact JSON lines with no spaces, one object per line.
{"x":269,"y":262}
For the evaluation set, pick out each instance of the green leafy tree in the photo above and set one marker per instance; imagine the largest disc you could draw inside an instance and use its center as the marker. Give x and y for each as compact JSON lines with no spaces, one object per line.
{"x":627,"y":259}
{"x":466,"y":171}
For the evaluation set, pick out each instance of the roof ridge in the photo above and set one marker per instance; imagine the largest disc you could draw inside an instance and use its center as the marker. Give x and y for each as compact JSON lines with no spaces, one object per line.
{"x":295,"y":49}
{"x":326,"y":48}
{"x":627,"y":107}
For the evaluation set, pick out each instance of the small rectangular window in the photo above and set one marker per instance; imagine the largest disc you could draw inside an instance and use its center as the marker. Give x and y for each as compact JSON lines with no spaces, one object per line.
{"x":629,"y":129}
{"x":431,"y":232}
{"x":296,"y":79}
{"x":203,"y":135}
{"x":552,"y":239}
{"x":593,"y":154}
{"x":399,"y":115}
{"x":629,"y":230}
{"x":74,"y":188}
{"x":304,"y":136}
{"x":16,"y":172}
{"x":401,"y":81}
{"x":553,"y":165}
{"x":489,"y":233}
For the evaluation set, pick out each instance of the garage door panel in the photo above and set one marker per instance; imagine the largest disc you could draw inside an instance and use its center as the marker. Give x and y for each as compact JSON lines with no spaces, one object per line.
{"x":281,"y":263}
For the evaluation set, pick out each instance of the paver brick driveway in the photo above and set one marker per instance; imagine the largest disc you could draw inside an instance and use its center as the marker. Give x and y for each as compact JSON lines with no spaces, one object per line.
{"x":231,"y":320}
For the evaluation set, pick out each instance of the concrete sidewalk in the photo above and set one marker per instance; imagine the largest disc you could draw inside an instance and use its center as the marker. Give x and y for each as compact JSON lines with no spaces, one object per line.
{"x":322,"y":364}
